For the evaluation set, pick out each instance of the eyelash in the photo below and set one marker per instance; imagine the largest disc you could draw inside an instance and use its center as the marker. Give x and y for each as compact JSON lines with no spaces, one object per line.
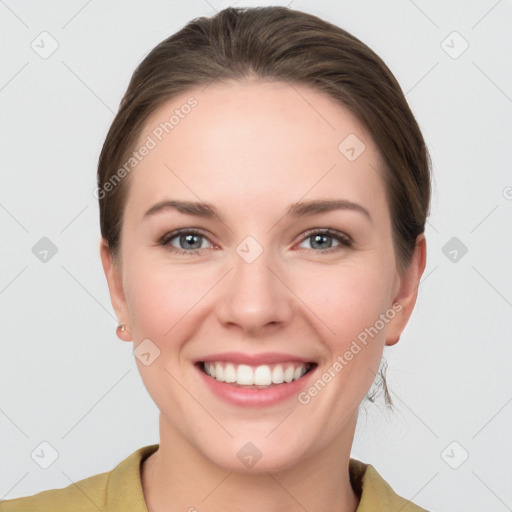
{"x":344,"y":240}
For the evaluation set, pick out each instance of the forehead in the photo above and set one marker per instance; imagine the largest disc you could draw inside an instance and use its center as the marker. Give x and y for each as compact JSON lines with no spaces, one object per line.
{"x":254,"y":143}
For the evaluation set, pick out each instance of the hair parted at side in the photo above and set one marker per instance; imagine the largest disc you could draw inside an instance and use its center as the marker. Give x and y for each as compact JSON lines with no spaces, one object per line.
{"x":276,"y":43}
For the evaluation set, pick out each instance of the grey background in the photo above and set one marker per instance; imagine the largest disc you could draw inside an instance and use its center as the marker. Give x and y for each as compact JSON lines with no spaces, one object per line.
{"x":68,"y":381}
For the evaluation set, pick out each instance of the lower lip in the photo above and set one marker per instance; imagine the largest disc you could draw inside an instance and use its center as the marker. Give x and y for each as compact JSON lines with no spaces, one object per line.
{"x":255,"y":397}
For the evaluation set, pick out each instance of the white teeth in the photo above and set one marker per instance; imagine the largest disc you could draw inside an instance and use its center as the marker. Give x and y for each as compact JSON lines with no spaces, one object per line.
{"x":219,"y":372}
{"x":278,"y":374}
{"x":288,"y":374}
{"x":297,"y":374}
{"x":230,"y":373}
{"x":263,"y":375}
{"x":244,"y":375}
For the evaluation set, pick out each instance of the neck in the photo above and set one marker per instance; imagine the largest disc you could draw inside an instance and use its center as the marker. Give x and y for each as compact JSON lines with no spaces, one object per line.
{"x":178,"y":478}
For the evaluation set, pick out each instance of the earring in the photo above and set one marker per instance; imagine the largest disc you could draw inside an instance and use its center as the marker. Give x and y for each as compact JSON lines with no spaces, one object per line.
{"x":121,"y":328}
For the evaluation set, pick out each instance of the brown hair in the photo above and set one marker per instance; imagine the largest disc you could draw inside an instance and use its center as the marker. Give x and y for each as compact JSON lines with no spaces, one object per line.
{"x":275,"y":43}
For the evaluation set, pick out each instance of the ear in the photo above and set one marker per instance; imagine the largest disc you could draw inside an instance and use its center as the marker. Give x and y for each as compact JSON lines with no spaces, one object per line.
{"x":406,"y":290}
{"x":115,"y":286}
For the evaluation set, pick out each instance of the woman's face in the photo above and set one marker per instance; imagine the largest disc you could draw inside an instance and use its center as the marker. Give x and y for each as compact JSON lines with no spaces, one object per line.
{"x":258,"y":287}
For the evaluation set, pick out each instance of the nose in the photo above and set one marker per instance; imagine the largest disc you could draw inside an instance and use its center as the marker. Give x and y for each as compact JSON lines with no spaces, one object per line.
{"x":255,"y":297}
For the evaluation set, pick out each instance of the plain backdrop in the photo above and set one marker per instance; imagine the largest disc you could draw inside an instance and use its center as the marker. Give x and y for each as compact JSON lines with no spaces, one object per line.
{"x":67,"y":380}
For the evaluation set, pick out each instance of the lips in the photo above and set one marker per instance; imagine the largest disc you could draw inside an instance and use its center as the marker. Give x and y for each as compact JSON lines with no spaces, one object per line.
{"x":255,"y":380}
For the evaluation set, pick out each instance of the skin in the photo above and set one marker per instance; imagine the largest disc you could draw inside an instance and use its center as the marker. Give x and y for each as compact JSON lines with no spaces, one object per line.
{"x":251,"y":149}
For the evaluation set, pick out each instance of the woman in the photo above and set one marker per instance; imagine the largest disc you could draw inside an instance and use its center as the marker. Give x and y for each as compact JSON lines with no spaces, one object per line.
{"x":263,"y":194}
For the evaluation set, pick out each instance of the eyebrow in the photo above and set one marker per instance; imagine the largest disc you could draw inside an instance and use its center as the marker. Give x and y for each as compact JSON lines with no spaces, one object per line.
{"x":300,"y":209}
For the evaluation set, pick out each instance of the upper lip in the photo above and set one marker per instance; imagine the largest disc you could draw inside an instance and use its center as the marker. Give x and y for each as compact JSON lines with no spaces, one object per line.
{"x":254,"y":359}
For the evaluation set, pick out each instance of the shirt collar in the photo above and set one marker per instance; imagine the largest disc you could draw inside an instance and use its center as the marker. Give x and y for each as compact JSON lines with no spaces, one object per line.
{"x":124,"y":487}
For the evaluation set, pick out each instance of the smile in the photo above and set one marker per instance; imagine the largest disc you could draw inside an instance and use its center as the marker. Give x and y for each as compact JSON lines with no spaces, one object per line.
{"x":261,"y":375}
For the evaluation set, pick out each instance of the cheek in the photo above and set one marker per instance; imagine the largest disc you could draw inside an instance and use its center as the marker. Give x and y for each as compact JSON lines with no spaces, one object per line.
{"x":162,"y":300}
{"x":349,"y":302}
{"x":347,"y":299}
{"x":160,"y":296}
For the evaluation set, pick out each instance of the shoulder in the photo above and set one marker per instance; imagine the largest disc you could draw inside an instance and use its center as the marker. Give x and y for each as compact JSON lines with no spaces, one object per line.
{"x":375,"y":494}
{"x":118,"y":489}
{"x":85,"y":495}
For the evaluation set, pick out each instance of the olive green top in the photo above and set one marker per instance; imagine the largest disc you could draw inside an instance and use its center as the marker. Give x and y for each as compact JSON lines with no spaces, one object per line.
{"x":120,"y":490}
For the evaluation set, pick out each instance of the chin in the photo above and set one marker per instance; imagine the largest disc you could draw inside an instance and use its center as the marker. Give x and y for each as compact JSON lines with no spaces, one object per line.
{"x":251,"y":460}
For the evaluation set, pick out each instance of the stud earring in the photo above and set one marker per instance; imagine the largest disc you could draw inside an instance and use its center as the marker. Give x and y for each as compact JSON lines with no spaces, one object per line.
{"x":121,"y":328}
